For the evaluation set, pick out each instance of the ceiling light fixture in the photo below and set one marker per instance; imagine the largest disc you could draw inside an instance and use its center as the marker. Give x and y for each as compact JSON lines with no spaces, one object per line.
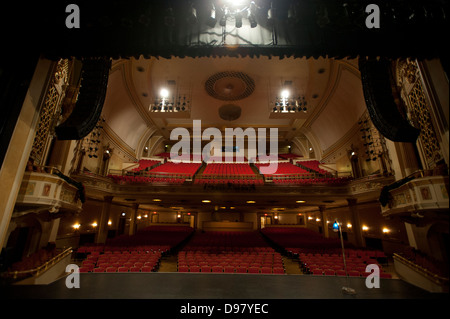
{"x":289,"y":102}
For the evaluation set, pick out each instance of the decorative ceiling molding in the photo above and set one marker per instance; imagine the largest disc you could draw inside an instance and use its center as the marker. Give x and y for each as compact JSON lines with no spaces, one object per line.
{"x":118,"y":142}
{"x":144,"y":139}
{"x":343,"y":142}
{"x":333,"y":81}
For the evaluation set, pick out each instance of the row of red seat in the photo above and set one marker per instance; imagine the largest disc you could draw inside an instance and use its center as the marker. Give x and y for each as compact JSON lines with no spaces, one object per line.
{"x":424,"y":261}
{"x":284,"y":168}
{"x":228,"y":180}
{"x":122,"y":260}
{"x":323,"y":180}
{"x":147,"y":180}
{"x":232,"y":269}
{"x":314,"y":165}
{"x":144,"y":164}
{"x":228,"y":169}
{"x":187,"y":169}
{"x":230,"y":252}
{"x":288,"y":155}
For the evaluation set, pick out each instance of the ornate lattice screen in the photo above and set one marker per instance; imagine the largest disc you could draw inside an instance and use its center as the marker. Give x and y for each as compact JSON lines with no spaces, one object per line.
{"x":50,"y":111}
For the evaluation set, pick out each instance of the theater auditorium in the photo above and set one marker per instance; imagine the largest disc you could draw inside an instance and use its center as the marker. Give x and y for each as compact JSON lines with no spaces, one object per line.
{"x":250,"y":150}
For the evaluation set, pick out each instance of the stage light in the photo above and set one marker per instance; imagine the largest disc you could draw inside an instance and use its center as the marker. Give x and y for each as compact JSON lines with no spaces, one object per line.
{"x":192,"y":19}
{"x":211,"y":22}
{"x":335,"y":226}
{"x":164,"y":93}
{"x":223,"y":19}
{"x":238,"y":18}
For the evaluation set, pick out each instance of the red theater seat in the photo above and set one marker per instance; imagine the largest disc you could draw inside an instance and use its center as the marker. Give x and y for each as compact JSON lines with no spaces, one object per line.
{"x":217,"y":269}
{"x":146,"y":269}
{"x":99,"y":269}
{"x":183,"y":269}
{"x":278,"y":270}
{"x":253,"y":270}
{"x":111,"y":269}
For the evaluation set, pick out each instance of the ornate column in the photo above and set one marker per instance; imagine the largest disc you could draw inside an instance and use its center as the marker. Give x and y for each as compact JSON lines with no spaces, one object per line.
{"x":323,"y":220}
{"x":356,"y":224}
{"x":133,"y":219}
{"x":103,"y":224}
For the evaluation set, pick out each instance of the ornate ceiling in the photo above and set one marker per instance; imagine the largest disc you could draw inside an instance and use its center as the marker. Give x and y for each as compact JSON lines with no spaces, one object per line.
{"x":229,"y":92}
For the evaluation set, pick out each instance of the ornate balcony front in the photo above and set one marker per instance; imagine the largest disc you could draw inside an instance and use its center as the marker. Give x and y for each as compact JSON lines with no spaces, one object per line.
{"x":418,"y":194}
{"x":47,"y":189}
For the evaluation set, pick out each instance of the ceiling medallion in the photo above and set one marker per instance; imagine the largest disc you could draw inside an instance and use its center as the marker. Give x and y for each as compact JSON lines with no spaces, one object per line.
{"x":229,"y":112}
{"x":230,"y":85}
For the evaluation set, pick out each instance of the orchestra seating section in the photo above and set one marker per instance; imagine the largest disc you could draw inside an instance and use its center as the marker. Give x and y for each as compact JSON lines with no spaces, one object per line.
{"x":141,"y":252}
{"x":323,"y":256}
{"x":229,"y":252}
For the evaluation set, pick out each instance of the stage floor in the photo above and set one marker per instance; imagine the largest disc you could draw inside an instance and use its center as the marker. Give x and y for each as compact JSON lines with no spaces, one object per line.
{"x":215,"y":286}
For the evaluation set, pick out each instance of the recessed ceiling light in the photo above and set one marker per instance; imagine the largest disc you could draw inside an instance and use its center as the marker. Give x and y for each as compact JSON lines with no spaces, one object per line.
{"x":251,"y":202}
{"x":300,"y":201}
{"x":156,"y":200}
{"x":206,"y":201}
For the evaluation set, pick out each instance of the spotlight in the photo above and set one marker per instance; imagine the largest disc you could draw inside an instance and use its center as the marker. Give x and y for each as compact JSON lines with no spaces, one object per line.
{"x":192,"y":19}
{"x":238,"y":20}
{"x":251,"y":15}
{"x":252,"y":20}
{"x":223,"y":19}
{"x":211,"y":22}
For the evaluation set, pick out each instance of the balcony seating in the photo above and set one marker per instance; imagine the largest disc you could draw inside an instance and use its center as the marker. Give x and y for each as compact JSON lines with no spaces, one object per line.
{"x":145,"y":164}
{"x":228,"y":169}
{"x":284,"y":168}
{"x":286,"y":156}
{"x":314,"y":166}
{"x":186,"y":169}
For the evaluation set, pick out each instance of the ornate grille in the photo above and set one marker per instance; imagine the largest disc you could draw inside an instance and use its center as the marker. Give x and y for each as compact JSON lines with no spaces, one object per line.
{"x":421,"y":117}
{"x":48,"y":115}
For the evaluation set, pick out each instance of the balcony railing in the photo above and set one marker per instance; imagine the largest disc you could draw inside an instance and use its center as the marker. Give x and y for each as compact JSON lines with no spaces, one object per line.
{"x":419,"y":192}
{"x":46,"y":188}
{"x":21,"y":274}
